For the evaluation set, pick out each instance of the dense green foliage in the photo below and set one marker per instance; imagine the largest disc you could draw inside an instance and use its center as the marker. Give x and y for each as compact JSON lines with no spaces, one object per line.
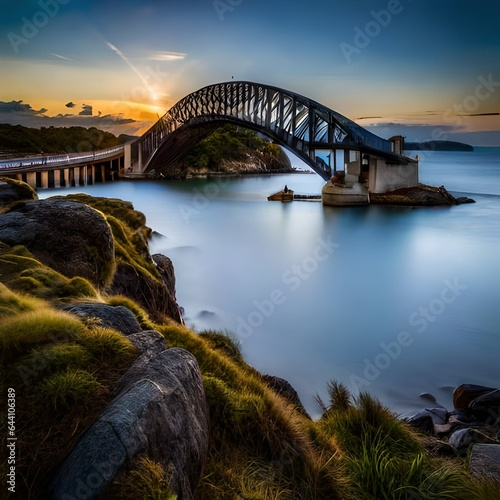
{"x":231,"y":143}
{"x":18,"y":139}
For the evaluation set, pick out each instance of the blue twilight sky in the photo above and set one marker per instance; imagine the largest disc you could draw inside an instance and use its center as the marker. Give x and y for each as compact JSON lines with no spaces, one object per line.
{"x":409,"y":66}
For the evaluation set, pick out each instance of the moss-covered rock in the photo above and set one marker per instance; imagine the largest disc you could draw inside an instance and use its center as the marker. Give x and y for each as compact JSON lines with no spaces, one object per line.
{"x":21,"y":271}
{"x":148,"y":281}
{"x":71,"y":238}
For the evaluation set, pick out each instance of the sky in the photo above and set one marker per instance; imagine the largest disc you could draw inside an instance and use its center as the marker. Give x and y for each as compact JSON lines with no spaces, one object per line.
{"x":426,"y":69}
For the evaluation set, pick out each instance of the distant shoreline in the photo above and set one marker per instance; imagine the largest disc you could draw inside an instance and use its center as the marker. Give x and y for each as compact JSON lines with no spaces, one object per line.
{"x":438,"y":146}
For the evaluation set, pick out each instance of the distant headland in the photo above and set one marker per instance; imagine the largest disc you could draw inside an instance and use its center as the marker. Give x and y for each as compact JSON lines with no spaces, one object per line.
{"x":438,"y":146}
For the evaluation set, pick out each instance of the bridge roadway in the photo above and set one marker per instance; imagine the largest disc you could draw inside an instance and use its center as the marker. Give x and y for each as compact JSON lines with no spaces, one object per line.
{"x":45,"y":162}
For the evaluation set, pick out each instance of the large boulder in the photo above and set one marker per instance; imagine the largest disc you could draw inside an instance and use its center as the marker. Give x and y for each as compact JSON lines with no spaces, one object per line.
{"x":160,"y":410}
{"x":117,"y":317}
{"x":430,"y":421}
{"x":462,"y":439}
{"x":286,"y":391}
{"x":166,"y":270}
{"x":150,"y":293}
{"x":485,"y":461}
{"x":69,"y":237}
{"x":12,"y":191}
{"x":464,"y":395}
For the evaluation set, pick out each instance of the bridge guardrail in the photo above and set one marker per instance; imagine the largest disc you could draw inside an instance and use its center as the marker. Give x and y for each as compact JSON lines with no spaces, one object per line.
{"x":62,"y":159}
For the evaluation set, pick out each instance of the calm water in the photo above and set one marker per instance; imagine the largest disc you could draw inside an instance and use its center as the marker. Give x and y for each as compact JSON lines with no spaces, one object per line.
{"x":397,"y":301}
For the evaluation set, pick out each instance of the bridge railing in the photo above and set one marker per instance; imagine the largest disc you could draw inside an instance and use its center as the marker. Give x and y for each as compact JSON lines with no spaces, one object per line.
{"x":61,"y":159}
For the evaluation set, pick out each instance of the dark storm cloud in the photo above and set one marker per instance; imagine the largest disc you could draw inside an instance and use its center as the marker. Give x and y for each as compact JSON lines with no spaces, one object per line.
{"x":20,"y":107}
{"x":86,"y":110}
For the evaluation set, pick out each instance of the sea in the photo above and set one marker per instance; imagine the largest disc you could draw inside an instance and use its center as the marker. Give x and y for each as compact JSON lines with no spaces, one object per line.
{"x":395,"y":301}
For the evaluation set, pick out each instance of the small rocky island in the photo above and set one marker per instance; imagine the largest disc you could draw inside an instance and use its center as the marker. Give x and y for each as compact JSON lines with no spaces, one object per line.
{"x":110,"y":396}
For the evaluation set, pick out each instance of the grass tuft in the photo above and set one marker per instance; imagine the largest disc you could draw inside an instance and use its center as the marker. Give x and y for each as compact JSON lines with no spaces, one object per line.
{"x":19,"y":334}
{"x":340,"y":397}
{"x":226,"y":342}
{"x":13,"y":303}
{"x":22,"y":272}
{"x":64,"y":389}
{"x":54,"y":358}
{"x":106,"y":343}
{"x":146,"y":480}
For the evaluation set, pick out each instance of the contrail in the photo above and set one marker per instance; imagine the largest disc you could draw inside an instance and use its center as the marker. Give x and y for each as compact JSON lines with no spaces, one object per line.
{"x":132,"y":67}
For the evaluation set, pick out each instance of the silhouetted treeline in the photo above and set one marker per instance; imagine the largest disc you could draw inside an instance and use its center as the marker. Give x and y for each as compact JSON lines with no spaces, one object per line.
{"x":19,"y":139}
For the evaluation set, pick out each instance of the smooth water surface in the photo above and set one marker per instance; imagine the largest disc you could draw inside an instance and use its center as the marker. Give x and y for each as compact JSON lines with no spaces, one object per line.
{"x":398,"y":301}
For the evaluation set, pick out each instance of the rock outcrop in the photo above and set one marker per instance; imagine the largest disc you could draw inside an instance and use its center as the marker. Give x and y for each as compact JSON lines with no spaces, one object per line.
{"x":485,"y":461}
{"x":117,"y":317}
{"x":69,"y":237}
{"x":474,"y":420}
{"x":12,"y":191}
{"x":476,"y":398}
{"x":150,"y":293}
{"x":421,"y":195}
{"x":160,"y":410}
{"x":285,"y":390}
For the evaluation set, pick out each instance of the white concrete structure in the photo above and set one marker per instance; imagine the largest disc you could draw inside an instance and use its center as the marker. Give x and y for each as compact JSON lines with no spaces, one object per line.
{"x":364,"y":174}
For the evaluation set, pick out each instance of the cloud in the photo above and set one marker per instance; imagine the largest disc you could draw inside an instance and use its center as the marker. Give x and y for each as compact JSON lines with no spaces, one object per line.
{"x":115,"y":120}
{"x":479,"y":114}
{"x":70,"y":104}
{"x":167,"y":56}
{"x":20,"y":107}
{"x":86,"y":110}
{"x":59,"y":56}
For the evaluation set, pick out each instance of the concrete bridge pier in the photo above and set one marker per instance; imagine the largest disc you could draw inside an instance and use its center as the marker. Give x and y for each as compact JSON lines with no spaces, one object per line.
{"x":90,"y":174}
{"x":44,"y":179}
{"x":65,"y":173}
{"x":76,"y":175}
{"x":57,"y":178}
{"x":31,"y":179}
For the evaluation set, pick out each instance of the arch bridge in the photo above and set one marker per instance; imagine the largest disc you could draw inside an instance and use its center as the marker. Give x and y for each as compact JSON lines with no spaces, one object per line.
{"x":303,"y":126}
{"x":298,"y":123}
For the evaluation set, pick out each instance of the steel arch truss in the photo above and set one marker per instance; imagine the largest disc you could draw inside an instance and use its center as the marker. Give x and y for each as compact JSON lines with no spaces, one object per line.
{"x":300,"y":124}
